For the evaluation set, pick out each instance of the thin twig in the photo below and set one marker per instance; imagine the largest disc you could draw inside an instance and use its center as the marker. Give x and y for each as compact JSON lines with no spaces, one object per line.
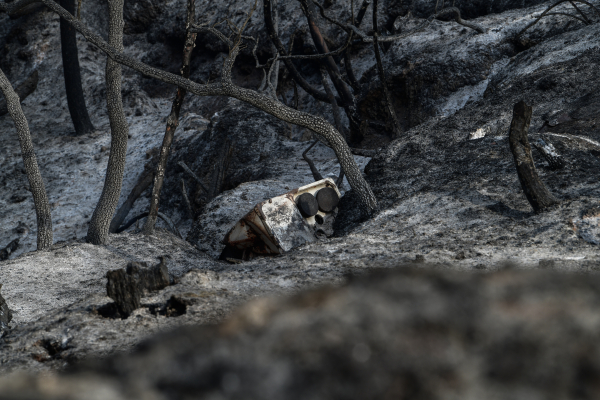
{"x":201,"y":29}
{"x":556,"y":13}
{"x":186,"y":199}
{"x":193,"y":175}
{"x":543,"y":14}
{"x":308,"y":88}
{"x":580,"y":12}
{"x":319,"y":56}
{"x":315,"y":172}
{"x":162,"y":216}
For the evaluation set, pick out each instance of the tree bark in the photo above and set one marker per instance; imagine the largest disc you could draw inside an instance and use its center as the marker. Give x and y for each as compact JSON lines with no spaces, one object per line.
{"x":99,"y":225}
{"x":539,"y":197}
{"x":72,"y":74}
{"x":40,"y":198}
{"x":172,"y":124}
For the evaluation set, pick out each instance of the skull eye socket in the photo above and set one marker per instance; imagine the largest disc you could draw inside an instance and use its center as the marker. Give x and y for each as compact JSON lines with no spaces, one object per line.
{"x":327,"y":199}
{"x":307,"y":204}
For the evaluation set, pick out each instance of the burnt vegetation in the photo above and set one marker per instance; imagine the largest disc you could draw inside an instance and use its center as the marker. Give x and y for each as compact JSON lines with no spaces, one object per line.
{"x":262,"y":79}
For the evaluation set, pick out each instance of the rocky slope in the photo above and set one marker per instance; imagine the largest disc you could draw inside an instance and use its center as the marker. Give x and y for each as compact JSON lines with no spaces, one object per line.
{"x":450,"y":200}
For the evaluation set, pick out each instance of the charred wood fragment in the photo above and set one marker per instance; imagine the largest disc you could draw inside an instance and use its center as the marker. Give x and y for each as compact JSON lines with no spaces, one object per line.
{"x":9,"y":249}
{"x":127,"y":286}
{"x":23,"y":90}
{"x":536,"y":192}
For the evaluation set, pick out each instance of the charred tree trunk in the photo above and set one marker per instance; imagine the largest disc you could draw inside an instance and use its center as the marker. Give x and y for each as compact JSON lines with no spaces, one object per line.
{"x":40,"y":199}
{"x":539,"y":197}
{"x":346,"y":96}
{"x":72,"y":74}
{"x":119,"y":130}
{"x":172,"y":123}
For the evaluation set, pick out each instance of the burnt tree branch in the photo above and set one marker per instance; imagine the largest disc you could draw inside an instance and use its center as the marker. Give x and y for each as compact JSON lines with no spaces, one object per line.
{"x":40,"y":198}
{"x":298,"y":78}
{"x":550,"y":8}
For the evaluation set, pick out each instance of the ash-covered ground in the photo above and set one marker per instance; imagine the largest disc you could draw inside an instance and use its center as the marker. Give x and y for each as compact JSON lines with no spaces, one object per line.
{"x":450,"y":203}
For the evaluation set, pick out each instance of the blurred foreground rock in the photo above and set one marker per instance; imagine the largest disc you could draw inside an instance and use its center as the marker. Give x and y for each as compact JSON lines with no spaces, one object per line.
{"x":401,"y":334}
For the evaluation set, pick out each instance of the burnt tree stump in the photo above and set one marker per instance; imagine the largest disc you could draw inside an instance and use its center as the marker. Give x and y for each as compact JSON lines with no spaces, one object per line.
{"x":536,"y":192}
{"x":127,"y":286}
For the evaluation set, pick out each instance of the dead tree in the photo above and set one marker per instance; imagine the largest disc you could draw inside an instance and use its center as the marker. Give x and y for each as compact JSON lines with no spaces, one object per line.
{"x":538,"y":196}
{"x":72,"y":74}
{"x":119,"y":130}
{"x":172,"y":123}
{"x":40,"y":199}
